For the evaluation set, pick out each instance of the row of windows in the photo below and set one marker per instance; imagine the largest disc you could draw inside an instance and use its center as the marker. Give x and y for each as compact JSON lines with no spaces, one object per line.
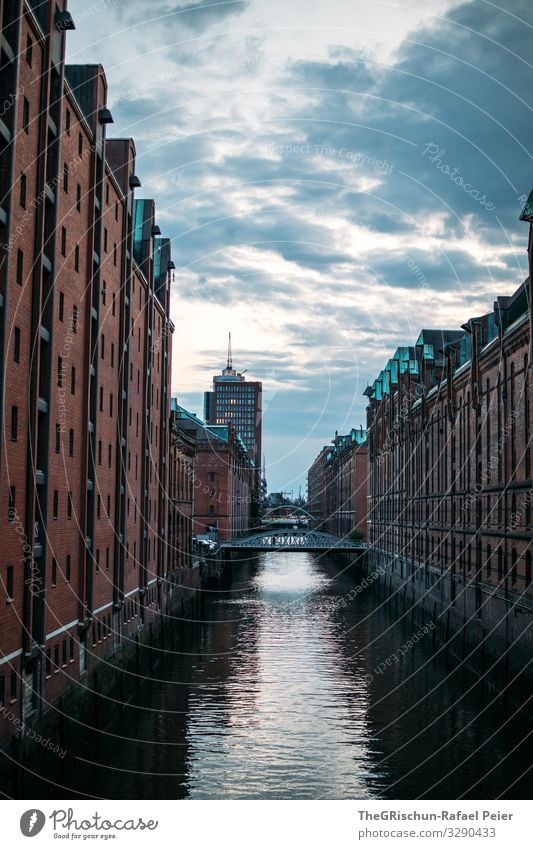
{"x":67,"y":574}
{"x":52,"y":659}
{"x":61,"y":369}
{"x":68,"y":124}
{"x":104,"y":296}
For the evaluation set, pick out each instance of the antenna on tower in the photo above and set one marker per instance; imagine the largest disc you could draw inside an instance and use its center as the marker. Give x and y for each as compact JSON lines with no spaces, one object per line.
{"x":230,"y":358}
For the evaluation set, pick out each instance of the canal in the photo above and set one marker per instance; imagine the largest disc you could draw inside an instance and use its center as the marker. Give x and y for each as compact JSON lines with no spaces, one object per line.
{"x":296,"y":687}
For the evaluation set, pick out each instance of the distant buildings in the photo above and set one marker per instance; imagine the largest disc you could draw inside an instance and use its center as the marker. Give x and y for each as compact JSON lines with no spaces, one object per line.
{"x":337,"y":485}
{"x":237,"y":401}
{"x":92,"y":546}
{"x":224,"y":477}
{"x":316,"y":488}
{"x":449,"y":423}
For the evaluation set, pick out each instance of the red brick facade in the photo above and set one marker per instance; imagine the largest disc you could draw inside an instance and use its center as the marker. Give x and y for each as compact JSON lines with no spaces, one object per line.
{"x":450,"y":473}
{"x":337,"y":486}
{"x":85,"y":342}
{"x":223,"y":478}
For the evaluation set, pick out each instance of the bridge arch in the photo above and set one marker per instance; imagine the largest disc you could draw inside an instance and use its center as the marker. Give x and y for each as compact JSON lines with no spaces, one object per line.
{"x":293,"y":540}
{"x":284,"y":506}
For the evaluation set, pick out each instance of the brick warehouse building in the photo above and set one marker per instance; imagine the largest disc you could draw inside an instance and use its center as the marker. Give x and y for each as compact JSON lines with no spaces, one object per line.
{"x":345,"y":484}
{"x":224,"y":477}
{"x":449,"y":424}
{"x":337,"y":485}
{"x":85,"y":342}
{"x":315,"y":488}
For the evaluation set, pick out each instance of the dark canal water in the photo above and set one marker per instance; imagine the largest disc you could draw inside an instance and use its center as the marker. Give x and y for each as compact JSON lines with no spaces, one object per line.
{"x":277,"y":695}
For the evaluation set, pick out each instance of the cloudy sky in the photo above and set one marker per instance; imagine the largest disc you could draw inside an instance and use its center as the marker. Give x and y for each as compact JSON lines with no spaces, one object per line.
{"x":334,"y":176}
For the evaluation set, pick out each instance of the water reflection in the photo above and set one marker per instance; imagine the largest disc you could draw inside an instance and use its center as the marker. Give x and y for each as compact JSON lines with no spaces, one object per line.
{"x":278,"y":696}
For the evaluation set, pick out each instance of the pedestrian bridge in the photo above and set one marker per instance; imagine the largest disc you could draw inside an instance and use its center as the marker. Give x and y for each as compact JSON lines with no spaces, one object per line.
{"x":293,"y":540}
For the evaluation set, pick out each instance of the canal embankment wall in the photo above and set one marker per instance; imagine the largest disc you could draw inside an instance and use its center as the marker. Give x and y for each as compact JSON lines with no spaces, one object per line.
{"x":56,"y":736}
{"x":476,"y":625}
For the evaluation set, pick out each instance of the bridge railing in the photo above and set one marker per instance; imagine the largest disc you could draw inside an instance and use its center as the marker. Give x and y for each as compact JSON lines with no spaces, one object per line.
{"x":295,"y":540}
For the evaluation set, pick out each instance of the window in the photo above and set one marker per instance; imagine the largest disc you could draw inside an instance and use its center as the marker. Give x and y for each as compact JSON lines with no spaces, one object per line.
{"x":55,"y":509}
{"x":54,"y":572}
{"x":71,"y":649}
{"x":13,"y":687}
{"x":61,"y":306}
{"x":60,"y":371}
{"x":73,"y":380}
{"x":113,"y":305}
{"x":11,"y":505}
{"x":74,"y":319}
{"x":68,"y":568}
{"x":97,"y":559}
{"x":16,"y":345}
{"x":48,"y":664}
{"x":58,"y":438}
{"x":105,"y":239}
{"x":77,"y":258}
{"x":107,"y":193}
{"x":114,"y":253}
{"x":112,"y":355}
{"x":78,"y":197}
{"x":22,"y":196}
{"x":63,"y":241}
{"x":67,"y":122}
{"x":26,"y":116}
{"x":109,"y":455}
{"x":101,"y":399}
{"x":104,"y":292}
{"x":98,"y":507}
{"x":29,"y":51}
{"x":9,"y":583}
{"x":71,"y":443}
{"x":20,"y":267}
{"x":69,"y":505}
{"x":110,"y":403}
{"x":64,"y":652}
{"x":80,"y":144}
{"x":107,"y":558}
{"x":102,"y":346}
{"x":14,"y":423}
{"x":99,"y":452}
{"x":56,"y":658}
{"x":65,"y":176}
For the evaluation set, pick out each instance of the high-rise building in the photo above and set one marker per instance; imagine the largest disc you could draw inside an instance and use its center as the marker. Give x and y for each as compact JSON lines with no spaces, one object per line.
{"x":237,"y":401}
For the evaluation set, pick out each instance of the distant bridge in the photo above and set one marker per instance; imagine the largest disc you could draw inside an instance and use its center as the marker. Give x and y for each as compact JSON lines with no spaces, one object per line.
{"x":294,"y":540}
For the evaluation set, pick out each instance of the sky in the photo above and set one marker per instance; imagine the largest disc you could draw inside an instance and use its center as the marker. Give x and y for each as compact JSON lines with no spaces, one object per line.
{"x":334,"y":177}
